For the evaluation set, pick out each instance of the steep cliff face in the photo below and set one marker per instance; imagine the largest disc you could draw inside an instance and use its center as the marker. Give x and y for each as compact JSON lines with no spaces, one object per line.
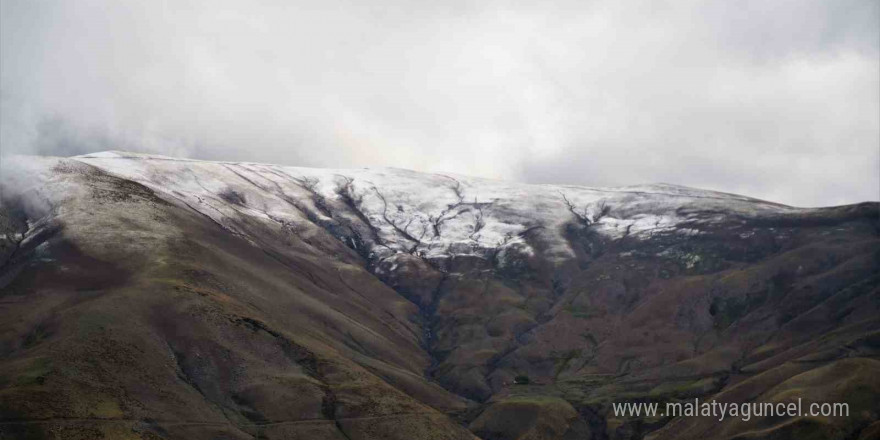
{"x":152,"y":297}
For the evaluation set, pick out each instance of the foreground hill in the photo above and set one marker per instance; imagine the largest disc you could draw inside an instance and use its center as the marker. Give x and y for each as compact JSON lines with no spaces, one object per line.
{"x":152,"y":297}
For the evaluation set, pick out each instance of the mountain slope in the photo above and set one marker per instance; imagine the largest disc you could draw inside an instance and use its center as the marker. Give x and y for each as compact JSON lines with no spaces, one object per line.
{"x":150,"y":297}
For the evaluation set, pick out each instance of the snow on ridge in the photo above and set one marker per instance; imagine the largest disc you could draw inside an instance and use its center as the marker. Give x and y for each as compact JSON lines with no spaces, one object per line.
{"x":433,"y":216}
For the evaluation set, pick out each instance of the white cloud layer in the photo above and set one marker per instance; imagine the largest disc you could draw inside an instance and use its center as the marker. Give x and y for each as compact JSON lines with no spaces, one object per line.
{"x":777,"y":100}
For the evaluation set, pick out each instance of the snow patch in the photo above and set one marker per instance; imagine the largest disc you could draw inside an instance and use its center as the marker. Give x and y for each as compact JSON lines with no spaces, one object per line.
{"x":433,"y":216}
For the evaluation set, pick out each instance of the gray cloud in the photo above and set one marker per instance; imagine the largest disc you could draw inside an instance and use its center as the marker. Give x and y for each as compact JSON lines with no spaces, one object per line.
{"x":776,"y":100}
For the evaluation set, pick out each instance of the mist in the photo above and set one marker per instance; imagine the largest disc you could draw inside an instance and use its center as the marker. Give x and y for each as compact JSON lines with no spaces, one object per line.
{"x":775,"y":100}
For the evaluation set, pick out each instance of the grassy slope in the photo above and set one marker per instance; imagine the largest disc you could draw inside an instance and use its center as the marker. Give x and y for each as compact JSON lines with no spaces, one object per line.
{"x":139,"y":318}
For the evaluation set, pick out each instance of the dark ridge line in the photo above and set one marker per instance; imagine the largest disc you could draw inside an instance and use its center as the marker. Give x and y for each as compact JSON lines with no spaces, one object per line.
{"x":394,"y":225}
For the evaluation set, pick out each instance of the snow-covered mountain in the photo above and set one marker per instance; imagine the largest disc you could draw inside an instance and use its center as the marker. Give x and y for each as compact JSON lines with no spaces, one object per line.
{"x":157,"y":297}
{"x":435,"y":216}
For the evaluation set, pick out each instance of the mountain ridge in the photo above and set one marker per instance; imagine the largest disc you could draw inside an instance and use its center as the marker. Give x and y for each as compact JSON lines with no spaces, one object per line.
{"x":384,"y":303}
{"x":121,"y":154}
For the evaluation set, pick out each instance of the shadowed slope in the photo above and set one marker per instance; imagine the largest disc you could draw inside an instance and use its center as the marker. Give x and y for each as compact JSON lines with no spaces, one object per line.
{"x":135,"y":315}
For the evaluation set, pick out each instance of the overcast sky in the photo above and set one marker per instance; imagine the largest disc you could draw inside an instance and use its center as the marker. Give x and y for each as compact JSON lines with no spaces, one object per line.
{"x":778,"y":100}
